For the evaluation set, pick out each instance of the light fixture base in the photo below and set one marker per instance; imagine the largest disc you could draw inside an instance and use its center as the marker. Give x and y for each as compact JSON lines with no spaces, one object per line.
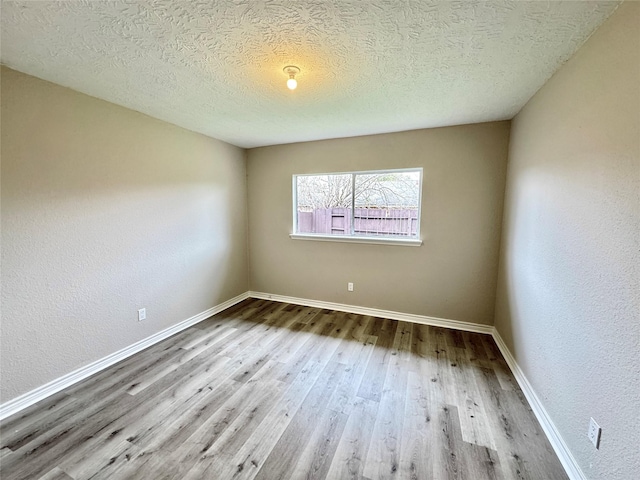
{"x":291,"y":70}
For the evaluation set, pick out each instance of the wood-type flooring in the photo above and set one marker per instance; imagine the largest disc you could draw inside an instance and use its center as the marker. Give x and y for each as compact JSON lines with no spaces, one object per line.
{"x":271,"y":391}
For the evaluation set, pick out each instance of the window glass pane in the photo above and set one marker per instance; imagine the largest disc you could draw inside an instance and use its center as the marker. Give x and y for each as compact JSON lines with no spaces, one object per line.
{"x":387,"y":204}
{"x":324,"y":204}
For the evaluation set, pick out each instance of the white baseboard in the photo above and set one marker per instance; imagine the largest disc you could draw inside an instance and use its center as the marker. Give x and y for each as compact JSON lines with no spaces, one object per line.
{"x":23,"y":401}
{"x":559,"y":446}
{"x":406,"y":317}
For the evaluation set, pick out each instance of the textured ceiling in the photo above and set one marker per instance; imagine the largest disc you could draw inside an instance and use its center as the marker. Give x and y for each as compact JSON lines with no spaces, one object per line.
{"x":366,"y":66}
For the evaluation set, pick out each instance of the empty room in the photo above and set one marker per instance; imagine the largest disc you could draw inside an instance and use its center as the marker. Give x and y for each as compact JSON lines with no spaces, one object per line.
{"x":317,"y":239}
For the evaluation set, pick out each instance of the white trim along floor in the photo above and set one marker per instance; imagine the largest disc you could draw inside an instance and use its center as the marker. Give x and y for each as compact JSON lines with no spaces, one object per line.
{"x":564,"y":454}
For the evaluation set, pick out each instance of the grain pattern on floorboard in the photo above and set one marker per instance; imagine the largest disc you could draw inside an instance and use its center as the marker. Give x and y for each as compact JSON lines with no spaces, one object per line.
{"x":268,"y":390}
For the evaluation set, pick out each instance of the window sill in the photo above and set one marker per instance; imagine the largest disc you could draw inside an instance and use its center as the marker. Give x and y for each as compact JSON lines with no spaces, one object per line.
{"x":346,"y":239}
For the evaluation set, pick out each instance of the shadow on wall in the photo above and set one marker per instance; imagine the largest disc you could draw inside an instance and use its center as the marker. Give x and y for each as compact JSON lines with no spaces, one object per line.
{"x":105,"y":211}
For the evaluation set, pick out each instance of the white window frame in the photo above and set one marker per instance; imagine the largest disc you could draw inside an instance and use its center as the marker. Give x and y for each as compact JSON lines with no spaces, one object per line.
{"x":352,"y":238}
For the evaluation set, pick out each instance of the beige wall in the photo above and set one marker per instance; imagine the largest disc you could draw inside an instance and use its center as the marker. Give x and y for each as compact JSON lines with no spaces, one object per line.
{"x":452,"y":275}
{"x":104,"y":211}
{"x":569,"y":291}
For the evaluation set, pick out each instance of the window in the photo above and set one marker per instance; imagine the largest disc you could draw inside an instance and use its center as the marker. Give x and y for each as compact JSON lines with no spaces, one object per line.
{"x":374,"y":206}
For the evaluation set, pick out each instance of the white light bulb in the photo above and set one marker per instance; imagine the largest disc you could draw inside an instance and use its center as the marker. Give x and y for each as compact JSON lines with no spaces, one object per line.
{"x":292,"y":83}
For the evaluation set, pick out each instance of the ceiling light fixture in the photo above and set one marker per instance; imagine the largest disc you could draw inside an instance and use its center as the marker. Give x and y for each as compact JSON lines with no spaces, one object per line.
{"x":292,"y":71}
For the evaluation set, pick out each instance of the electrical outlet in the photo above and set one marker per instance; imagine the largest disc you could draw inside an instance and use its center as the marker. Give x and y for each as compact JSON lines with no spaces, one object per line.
{"x":594,"y":433}
{"x":142,"y":314}
{"x":350,"y":286}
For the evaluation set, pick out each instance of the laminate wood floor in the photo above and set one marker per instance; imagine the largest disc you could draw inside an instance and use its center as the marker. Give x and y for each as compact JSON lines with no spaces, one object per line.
{"x":269,"y":390}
